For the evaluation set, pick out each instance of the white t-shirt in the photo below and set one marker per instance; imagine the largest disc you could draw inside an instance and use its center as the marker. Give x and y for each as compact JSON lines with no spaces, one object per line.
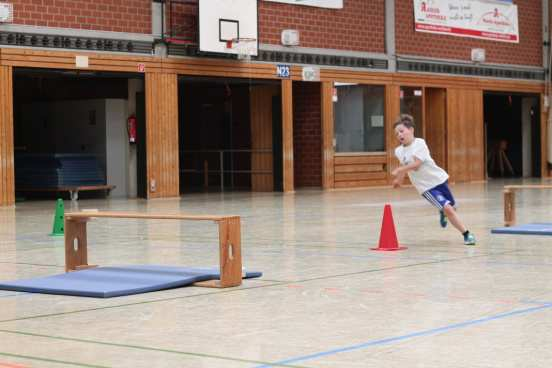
{"x":428,"y":175}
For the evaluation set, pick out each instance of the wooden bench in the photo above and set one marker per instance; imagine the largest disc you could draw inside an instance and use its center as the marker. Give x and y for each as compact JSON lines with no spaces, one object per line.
{"x":510,"y":199}
{"x":76,"y":247}
{"x":73,"y":190}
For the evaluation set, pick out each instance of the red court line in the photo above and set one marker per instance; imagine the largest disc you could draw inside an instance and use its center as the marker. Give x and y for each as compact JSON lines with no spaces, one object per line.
{"x":9,"y":365}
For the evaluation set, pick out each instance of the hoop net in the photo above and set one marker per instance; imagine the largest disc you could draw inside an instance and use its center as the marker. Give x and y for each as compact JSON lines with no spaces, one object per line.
{"x":244,"y":48}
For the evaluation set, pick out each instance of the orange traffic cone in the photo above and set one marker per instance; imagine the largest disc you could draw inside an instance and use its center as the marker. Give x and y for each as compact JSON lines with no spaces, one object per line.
{"x":388,"y":237}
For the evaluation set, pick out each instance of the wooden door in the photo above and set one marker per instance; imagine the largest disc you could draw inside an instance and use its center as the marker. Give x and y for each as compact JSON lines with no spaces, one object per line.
{"x":465,"y":143}
{"x":435,"y":118}
{"x":262,"y":163}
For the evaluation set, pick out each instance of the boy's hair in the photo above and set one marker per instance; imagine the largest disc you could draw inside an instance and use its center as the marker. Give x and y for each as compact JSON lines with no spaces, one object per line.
{"x":406,"y":120}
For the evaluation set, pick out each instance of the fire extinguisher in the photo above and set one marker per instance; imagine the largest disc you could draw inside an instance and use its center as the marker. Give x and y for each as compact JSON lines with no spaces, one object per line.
{"x":131,"y":128}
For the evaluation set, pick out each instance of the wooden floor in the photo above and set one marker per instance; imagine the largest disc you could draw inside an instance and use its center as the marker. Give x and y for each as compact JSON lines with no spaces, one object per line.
{"x":325,"y":299}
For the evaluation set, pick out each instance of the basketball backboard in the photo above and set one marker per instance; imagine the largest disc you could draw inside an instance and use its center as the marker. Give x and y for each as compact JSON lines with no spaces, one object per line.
{"x":221,"y":21}
{"x":6,"y":12}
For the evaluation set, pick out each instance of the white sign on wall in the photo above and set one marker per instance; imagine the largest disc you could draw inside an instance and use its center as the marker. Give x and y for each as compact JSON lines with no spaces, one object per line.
{"x":6,"y":12}
{"x":81,"y":61}
{"x":333,"y":4}
{"x":311,"y":74}
{"x":490,"y":20}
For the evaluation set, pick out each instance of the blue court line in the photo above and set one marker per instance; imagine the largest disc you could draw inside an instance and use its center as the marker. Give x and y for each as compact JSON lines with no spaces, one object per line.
{"x":525,"y":301}
{"x":390,"y":340}
{"x":518,"y":264}
{"x":13,"y":295}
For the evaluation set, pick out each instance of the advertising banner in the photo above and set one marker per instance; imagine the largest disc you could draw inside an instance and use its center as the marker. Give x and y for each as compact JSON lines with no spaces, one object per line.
{"x":490,"y":20}
{"x":333,"y":4}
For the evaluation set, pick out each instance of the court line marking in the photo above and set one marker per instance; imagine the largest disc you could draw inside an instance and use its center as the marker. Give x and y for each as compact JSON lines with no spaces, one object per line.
{"x":232,"y":290}
{"x":394,"y":339}
{"x":139,"y":347}
{"x":51,"y":361}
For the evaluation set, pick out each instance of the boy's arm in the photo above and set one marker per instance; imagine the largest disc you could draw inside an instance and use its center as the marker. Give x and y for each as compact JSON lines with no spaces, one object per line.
{"x":398,"y":179}
{"x":401,"y":171}
{"x":414,"y":165}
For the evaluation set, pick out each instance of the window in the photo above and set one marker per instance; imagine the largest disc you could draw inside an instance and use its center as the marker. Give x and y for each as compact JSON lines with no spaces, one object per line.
{"x":359,"y":118}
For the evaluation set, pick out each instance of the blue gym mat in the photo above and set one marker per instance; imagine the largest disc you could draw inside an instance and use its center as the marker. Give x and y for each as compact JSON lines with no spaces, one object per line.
{"x":107,"y":282}
{"x":527,"y":229}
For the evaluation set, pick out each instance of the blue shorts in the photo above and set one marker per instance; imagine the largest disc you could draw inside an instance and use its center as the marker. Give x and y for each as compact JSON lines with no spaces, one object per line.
{"x":439,"y":196}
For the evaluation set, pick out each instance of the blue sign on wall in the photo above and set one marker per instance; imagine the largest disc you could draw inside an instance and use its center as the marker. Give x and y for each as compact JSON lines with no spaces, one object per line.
{"x":282,"y":71}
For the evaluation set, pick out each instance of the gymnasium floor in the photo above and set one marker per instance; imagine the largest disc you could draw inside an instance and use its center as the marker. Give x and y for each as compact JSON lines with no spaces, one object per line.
{"x":325,"y":299}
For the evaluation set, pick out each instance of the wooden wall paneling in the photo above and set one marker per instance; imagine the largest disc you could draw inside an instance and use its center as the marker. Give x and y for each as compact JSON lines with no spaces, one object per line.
{"x":327,"y":134}
{"x":435,"y":116}
{"x":66,"y":60}
{"x":287,"y":134}
{"x":225,"y":68}
{"x":423,"y":133}
{"x":162,"y":135}
{"x":544,"y":138}
{"x":261,"y":138}
{"x":360,"y":184}
{"x":465,"y":154}
{"x":354,"y":170}
{"x":357,"y":168}
{"x":367,"y":159}
{"x":443,"y":81}
{"x":452,"y":118}
{"x":172,"y":157}
{"x":331,"y":75}
{"x":455,"y":155}
{"x":355,"y":176}
{"x":7,"y":181}
{"x":392,"y":112}
{"x":466,"y":90}
{"x":476,"y":144}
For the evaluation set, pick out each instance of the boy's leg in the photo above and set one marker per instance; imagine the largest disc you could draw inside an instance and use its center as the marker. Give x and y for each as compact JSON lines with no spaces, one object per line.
{"x":469,"y":239}
{"x":450,"y":212}
{"x":442,"y":219}
{"x":442,"y":198}
{"x":449,"y":209}
{"x":439,"y":198}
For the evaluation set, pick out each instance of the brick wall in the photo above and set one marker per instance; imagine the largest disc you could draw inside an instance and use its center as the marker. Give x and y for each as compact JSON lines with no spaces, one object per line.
{"x":307,"y":134}
{"x":527,"y":52}
{"x":359,"y":26}
{"x":132,"y":16}
{"x":182,"y":20}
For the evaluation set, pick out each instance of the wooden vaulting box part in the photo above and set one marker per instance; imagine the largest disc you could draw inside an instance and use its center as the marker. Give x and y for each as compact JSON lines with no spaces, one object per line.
{"x":229,"y":228}
{"x":510,"y":200}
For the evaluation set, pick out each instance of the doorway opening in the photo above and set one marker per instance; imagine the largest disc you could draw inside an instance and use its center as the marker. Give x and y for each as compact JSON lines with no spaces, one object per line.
{"x":229,"y":134}
{"x":512,"y":135}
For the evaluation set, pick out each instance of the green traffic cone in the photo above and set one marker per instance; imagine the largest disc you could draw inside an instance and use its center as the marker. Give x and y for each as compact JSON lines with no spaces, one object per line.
{"x":58,"y":219}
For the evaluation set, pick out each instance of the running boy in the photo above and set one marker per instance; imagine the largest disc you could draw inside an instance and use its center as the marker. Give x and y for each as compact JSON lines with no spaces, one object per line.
{"x":428,"y":178}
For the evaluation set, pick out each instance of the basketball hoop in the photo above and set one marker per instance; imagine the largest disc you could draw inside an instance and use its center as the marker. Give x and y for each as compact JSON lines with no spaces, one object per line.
{"x":6,"y":13}
{"x":244,"y":48}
